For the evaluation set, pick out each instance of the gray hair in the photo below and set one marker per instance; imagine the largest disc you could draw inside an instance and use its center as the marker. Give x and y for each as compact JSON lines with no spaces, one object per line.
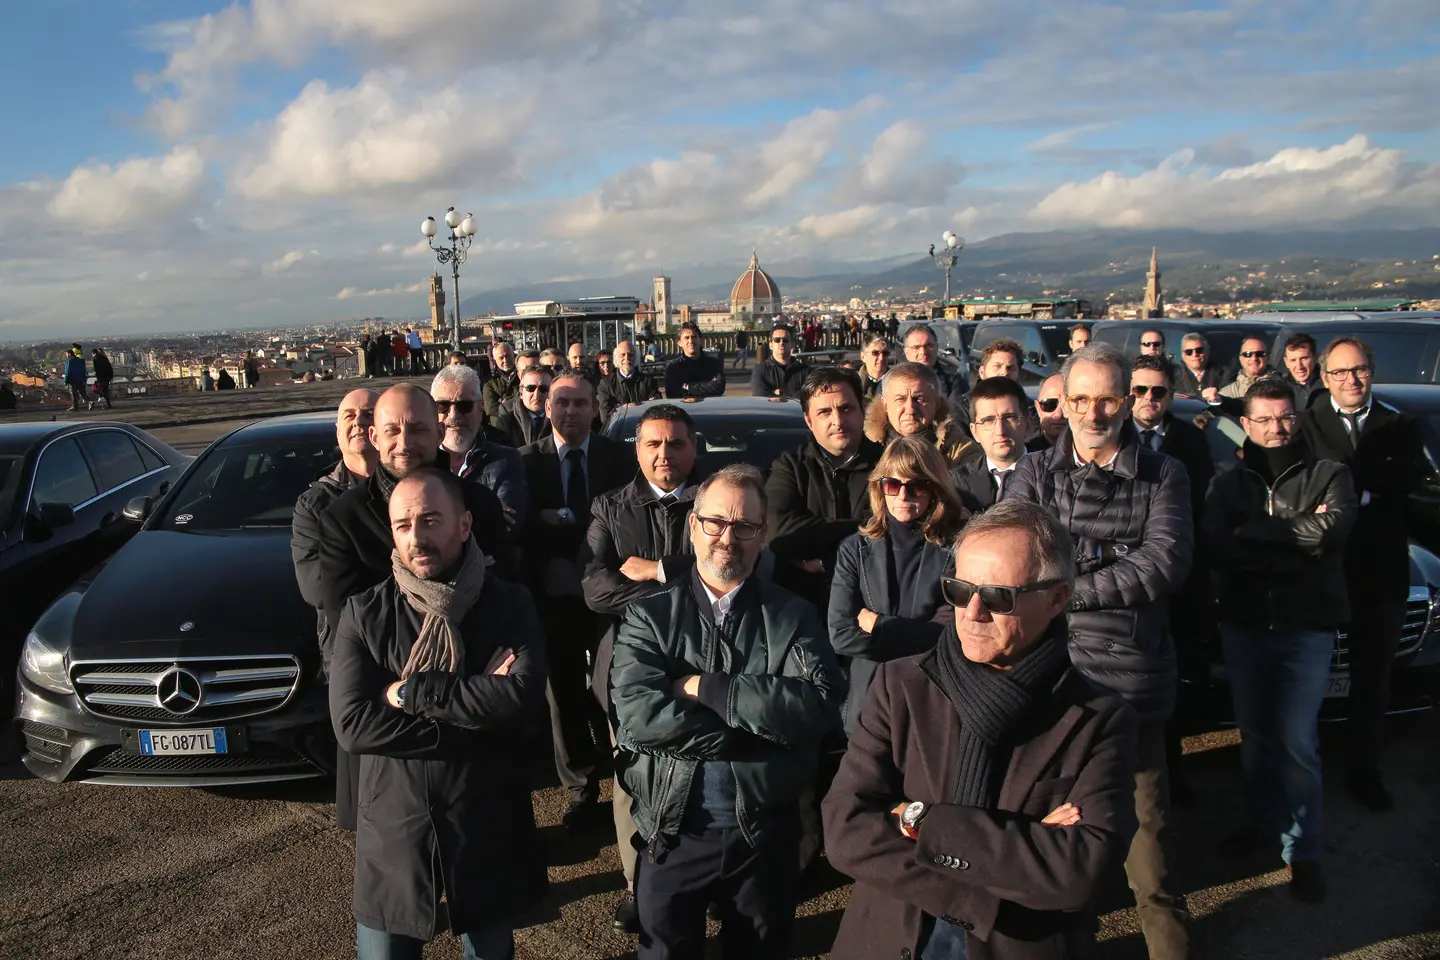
{"x":1051,"y":548}
{"x":924,"y":328}
{"x":461,"y":376}
{"x":1195,"y":338}
{"x":871,"y":341}
{"x":1102,"y":355}
{"x":912,"y":372}
{"x":741,"y":475}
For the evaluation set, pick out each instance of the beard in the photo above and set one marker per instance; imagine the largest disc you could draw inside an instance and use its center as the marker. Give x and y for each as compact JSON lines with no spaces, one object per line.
{"x":724,"y":565}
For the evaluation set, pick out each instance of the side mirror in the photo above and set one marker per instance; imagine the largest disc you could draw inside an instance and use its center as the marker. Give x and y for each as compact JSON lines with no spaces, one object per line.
{"x":54,"y":515}
{"x":138,"y":509}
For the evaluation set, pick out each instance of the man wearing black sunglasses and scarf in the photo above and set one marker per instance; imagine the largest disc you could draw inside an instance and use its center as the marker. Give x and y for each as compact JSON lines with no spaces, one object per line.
{"x":1128,"y":510}
{"x":986,"y":793}
{"x":456,"y":391}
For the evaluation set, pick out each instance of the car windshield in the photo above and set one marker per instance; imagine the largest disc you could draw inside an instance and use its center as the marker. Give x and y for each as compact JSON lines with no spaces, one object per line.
{"x":721,"y":441}
{"x":242,"y":486}
{"x":9,"y":485}
{"x":1401,"y":356}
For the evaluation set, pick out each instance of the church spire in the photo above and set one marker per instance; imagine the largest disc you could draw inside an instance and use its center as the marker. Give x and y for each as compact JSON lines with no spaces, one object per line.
{"x":1154,"y":306}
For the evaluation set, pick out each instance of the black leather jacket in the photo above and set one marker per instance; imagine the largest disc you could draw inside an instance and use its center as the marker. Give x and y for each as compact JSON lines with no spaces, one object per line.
{"x":1280,"y":564}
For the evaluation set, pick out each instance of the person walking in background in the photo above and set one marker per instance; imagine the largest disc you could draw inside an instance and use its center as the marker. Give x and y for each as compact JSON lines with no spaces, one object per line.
{"x":368,"y":354}
{"x":438,"y":672}
{"x":985,"y":797}
{"x":1386,"y":456}
{"x":77,"y":378}
{"x":886,"y":591}
{"x":104,"y":373}
{"x":722,"y":689}
{"x":1128,"y":510}
{"x":416,"y":349}
{"x":251,"y":370}
{"x":742,"y":348}
{"x":1276,"y":524}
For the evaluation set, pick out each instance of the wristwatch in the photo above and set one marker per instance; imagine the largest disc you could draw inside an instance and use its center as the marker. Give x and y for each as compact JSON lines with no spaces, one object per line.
{"x":400,"y":693}
{"x":910,"y":819}
{"x":565,"y":513}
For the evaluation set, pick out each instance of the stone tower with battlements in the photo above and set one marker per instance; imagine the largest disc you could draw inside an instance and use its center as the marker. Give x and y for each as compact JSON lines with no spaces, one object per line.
{"x":661,"y":303}
{"x":1154,"y":307}
{"x":437,"y":306}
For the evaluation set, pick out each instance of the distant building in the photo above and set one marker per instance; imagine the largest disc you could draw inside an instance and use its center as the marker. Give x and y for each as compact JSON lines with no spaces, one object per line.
{"x":1154,"y":306}
{"x":437,"y":302}
{"x":755,"y":296}
{"x":662,"y":304}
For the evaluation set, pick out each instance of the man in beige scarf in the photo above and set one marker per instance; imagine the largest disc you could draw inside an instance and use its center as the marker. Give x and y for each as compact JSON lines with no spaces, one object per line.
{"x":437,"y":671}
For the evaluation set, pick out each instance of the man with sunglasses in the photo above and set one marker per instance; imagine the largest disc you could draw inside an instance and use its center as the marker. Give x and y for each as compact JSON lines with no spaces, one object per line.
{"x":1050,"y":413}
{"x":1199,"y":374}
{"x":874,"y":362}
{"x":983,"y":801}
{"x":523,"y":421}
{"x":1152,"y":343}
{"x":1128,"y":510}
{"x":999,"y":423}
{"x":1277,"y":526}
{"x":693,"y":373}
{"x":456,"y":391}
{"x":722,"y":688}
{"x":1254,"y":367}
{"x":1383,"y":449}
{"x":782,"y":373}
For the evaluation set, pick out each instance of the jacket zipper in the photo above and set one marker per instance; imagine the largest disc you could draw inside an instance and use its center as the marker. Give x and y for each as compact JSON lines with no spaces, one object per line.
{"x":1270,"y":511}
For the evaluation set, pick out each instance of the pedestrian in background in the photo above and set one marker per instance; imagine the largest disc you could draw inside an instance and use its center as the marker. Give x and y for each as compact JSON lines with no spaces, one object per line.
{"x":416,"y":349}
{"x":742,"y":348}
{"x":77,"y":378}
{"x":104,"y":373}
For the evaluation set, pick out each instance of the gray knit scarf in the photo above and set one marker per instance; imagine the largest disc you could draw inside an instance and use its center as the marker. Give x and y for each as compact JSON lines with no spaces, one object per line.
{"x":443,"y":605}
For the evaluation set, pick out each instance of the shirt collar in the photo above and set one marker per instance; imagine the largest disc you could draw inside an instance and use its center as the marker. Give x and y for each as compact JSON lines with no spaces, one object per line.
{"x":561,"y":448}
{"x":1103,"y":466}
{"x":1158,"y":429}
{"x":992,"y":466}
{"x":1363,"y":412}
{"x":661,"y":494}
{"x":721,"y":604}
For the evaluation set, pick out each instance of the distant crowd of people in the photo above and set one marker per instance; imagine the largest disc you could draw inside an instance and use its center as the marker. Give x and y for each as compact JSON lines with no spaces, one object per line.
{"x":394,"y":354}
{"x":941,"y":638}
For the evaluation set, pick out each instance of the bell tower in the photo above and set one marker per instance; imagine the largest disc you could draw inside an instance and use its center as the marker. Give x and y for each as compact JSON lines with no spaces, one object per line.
{"x":661,"y":303}
{"x":437,"y":306}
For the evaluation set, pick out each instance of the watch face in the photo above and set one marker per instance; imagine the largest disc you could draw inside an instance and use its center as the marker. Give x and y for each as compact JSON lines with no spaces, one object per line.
{"x":912,"y":812}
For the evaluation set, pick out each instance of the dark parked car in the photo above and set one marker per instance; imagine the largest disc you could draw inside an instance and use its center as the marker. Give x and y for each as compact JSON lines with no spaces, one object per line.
{"x":63,"y":489}
{"x":728,"y":430}
{"x":1406,"y":347}
{"x":1046,"y":344}
{"x":1224,"y":336}
{"x":189,"y":658}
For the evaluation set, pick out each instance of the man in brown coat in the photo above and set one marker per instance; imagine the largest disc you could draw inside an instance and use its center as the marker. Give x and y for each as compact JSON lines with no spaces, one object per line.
{"x":988,"y":787}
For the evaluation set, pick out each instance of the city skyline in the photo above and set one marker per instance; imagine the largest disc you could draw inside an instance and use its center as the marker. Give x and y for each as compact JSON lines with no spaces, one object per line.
{"x":197,"y":165}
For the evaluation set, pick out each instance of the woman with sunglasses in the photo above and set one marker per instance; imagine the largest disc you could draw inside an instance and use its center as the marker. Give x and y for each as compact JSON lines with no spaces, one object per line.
{"x":886,"y":586}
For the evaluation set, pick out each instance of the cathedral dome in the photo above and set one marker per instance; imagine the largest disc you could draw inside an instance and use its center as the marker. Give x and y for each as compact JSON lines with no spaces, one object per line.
{"x":755,"y":292}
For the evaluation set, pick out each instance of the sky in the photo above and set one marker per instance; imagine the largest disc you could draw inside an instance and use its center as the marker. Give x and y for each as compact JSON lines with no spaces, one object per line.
{"x":186,"y":165}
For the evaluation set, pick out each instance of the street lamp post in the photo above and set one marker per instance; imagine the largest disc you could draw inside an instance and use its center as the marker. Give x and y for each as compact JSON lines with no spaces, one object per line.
{"x":462,"y":234}
{"x":946,"y":258}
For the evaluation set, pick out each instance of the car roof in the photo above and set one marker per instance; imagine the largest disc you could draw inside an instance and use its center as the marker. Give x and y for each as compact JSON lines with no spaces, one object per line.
{"x":1422,"y":398}
{"x":295,"y":426}
{"x":707,"y":408}
{"x":1199,"y":323}
{"x":1356,"y":321}
{"x":17,"y":438}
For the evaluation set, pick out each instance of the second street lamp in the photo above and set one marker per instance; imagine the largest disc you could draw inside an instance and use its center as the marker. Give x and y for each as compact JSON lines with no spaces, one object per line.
{"x":945,"y":258}
{"x":462,"y":234}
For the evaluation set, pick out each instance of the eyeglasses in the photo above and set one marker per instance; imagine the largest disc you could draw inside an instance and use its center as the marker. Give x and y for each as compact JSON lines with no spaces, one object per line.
{"x":463,"y":406}
{"x":716,"y":527}
{"x":990,"y":423}
{"x":1048,"y":404}
{"x":1152,"y":343}
{"x":1107,"y":406}
{"x":1289,"y":420}
{"x":779,"y":339}
{"x":535,"y":388}
{"x":1345,"y":373}
{"x":999,"y":600}
{"x":1248,"y":354}
{"x":1158,"y":393}
{"x":892,"y":487}
{"x":1194,"y":351}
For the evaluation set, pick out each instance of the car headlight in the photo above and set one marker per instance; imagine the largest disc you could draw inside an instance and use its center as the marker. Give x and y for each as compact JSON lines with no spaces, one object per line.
{"x":44,"y":664}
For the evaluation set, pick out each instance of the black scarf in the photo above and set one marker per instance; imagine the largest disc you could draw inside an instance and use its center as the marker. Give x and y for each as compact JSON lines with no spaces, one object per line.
{"x":1271,"y":462}
{"x":991,"y":702}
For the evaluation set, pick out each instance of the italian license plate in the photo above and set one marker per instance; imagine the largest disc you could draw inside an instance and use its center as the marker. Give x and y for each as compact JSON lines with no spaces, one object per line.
{"x":1337,"y":686}
{"x":170,"y":742}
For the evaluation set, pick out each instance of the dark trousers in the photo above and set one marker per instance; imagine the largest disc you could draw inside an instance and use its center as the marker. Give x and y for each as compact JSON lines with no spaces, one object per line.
{"x":1162,"y":916}
{"x":1374,"y":637}
{"x":104,"y":387}
{"x":754,"y":887}
{"x":77,"y":396}
{"x":578,"y":728}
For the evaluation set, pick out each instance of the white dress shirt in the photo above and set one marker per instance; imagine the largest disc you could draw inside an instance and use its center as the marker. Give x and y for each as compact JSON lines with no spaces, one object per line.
{"x":720,"y":605}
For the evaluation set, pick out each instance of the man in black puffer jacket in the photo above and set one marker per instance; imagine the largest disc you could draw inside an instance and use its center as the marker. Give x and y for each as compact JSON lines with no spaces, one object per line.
{"x":782,"y":374}
{"x":1128,"y":510}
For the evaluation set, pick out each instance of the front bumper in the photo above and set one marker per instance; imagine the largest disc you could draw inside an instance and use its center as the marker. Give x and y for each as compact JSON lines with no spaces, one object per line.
{"x":62,"y":742}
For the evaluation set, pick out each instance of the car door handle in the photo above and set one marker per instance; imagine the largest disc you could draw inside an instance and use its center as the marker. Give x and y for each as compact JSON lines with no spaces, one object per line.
{"x":108,"y":519}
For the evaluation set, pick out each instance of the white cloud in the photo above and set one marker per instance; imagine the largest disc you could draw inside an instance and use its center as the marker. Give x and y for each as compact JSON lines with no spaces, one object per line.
{"x":97,"y":196}
{"x":281,"y":264}
{"x":350,"y":293}
{"x":1061,"y":140}
{"x":382,"y":134}
{"x":1296,"y":186}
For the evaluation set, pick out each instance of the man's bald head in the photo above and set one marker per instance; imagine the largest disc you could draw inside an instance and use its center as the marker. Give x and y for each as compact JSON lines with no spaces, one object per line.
{"x":429,"y":522}
{"x":353,"y":420}
{"x":406,"y":430}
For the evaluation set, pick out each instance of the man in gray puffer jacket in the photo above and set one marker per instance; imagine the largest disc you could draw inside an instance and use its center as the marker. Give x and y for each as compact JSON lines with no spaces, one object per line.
{"x":1128,"y":510}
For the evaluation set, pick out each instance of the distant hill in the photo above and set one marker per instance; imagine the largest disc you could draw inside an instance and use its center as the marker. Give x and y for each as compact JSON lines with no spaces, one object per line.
{"x":1102,"y":264}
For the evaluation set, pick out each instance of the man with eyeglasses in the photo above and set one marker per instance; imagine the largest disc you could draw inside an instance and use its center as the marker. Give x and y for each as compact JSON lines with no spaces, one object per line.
{"x":782,"y":373}
{"x":504,"y":381}
{"x":627,"y":383}
{"x":1302,"y":373}
{"x":1128,"y":510}
{"x":983,"y":801}
{"x":999,"y":424}
{"x":456,"y":392}
{"x":1050,"y":413}
{"x":1254,"y":367}
{"x":1383,"y":449}
{"x":921,"y":347}
{"x":1199,"y":374}
{"x":1152,"y":343}
{"x":874,"y":361}
{"x":722,"y":688}
{"x":1276,"y":525}
{"x":693,"y":374}
{"x":523,"y":422}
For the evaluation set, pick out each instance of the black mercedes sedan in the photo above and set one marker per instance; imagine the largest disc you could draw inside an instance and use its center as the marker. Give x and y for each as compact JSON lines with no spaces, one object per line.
{"x":189,"y":658}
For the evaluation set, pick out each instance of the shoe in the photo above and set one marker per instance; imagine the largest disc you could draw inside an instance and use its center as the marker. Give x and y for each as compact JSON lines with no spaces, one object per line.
{"x":1307,"y":881}
{"x":582,"y":815}
{"x":1370,"y":790}
{"x":1244,"y":843}
{"x":627,"y":914}
{"x":90,"y":405}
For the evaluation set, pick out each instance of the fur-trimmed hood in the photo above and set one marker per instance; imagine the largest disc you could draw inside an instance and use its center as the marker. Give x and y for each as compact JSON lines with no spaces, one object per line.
{"x":950,"y":436}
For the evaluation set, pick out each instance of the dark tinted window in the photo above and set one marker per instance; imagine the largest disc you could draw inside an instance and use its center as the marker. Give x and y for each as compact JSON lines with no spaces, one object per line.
{"x":114,"y":457}
{"x":1055,"y":338}
{"x":149,"y":457}
{"x":1401,"y":356}
{"x":9,"y":483}
{"x":62,"y":475}
{"x":248,"y":485}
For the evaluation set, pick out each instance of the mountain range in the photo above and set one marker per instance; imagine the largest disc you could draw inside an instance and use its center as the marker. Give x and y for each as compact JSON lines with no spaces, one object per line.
{"x":1100,"y":264}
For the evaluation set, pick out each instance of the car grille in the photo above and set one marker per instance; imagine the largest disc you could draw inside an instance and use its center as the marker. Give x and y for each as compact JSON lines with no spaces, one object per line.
{"x":116,"y":760}
{"x":1417,"y":619}
{"x":185,"y":691}
{"x":47,"y":742}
